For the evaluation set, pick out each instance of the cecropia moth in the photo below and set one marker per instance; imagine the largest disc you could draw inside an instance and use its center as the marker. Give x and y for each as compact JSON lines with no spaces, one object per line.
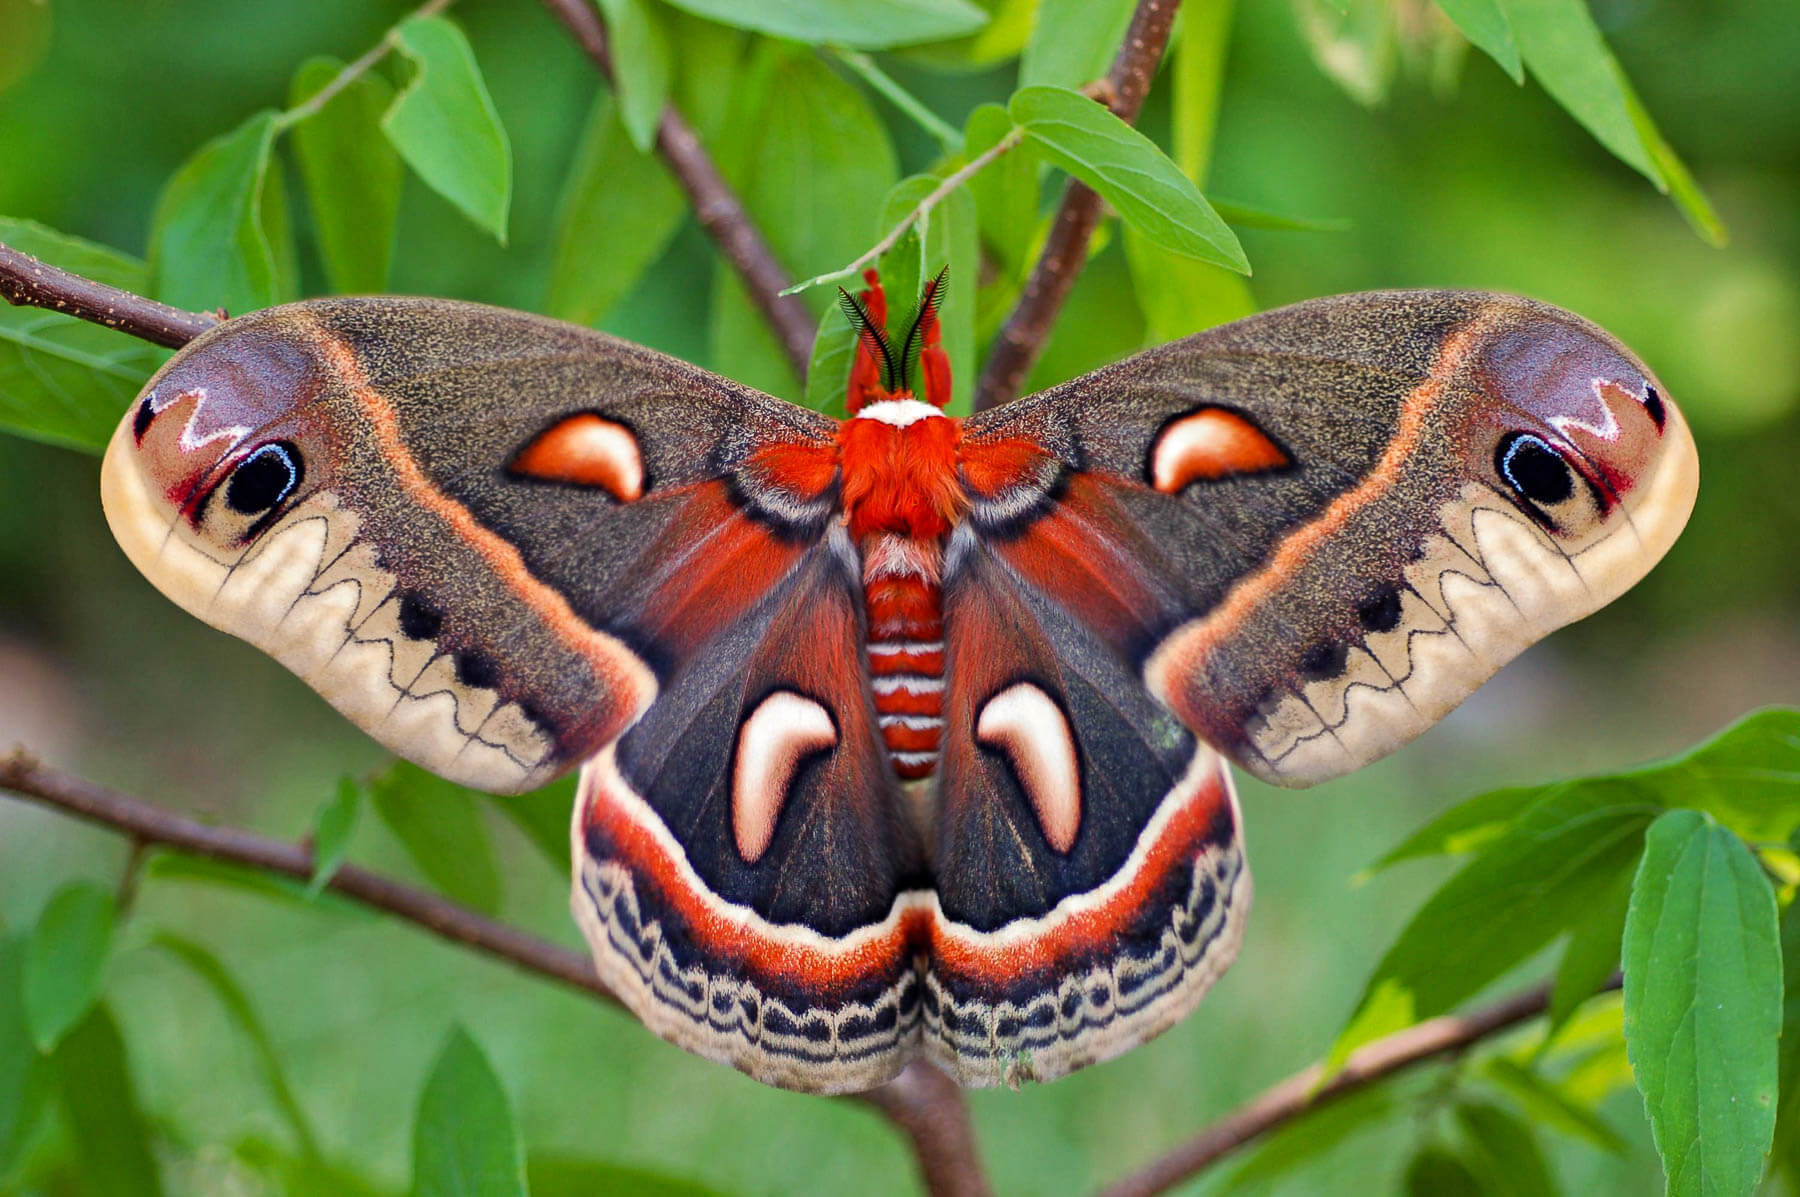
{"x":901,"y":734}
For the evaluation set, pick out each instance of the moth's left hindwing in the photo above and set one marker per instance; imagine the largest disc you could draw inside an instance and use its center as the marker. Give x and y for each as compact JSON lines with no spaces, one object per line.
{"x":480,"y":534}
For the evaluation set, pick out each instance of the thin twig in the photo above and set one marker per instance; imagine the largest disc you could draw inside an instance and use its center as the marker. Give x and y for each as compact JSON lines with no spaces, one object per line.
{"x":889,"y":88}
{"x":27,"y":282}
{"x":357,"y":69}
{"x":153,"y":825}
{"x":920,"y":210}
{"x":1302,"y":1093}
{"x":716,"y":206}
{"x":1022,"y":337}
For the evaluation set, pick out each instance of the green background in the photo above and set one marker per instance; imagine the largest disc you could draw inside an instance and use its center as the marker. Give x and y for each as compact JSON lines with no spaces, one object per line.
{"x":1487,"y":186}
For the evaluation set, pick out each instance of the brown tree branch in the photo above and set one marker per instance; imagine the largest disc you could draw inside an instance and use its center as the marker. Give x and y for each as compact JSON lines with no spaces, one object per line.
{"x":1302,"y":1093}
{"x":1022,"y":337}
{"x":929,"y":1108}
{"x":27,"y":282}
{"x":154,"y":825}
{"x":720,"y":212}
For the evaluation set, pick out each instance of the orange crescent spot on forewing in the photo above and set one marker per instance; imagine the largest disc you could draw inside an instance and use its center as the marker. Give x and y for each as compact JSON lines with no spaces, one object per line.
{"x":1184,"y":652}
{"x":587,"y":450}
{"x":1208,"y":445}
{"x":614,"y":664}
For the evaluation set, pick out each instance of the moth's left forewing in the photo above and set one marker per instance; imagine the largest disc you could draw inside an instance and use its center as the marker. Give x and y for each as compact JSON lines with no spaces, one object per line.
{"x":448,"y":519}
{"x":1364,"y":506}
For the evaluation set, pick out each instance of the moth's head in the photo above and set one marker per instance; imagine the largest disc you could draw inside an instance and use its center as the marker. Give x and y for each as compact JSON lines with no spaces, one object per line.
{"x":915,"y":365}
{"x":1579,"y":435}
{"x":214,"y":449}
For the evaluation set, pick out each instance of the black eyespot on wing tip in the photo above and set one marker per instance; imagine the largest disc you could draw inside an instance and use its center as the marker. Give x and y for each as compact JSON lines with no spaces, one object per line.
{"x":1534,"y":470}
{"x":140,"y":421}
{"x":1653,"y":403}
{"x":264,"y":478}
{"x":420,"y":618}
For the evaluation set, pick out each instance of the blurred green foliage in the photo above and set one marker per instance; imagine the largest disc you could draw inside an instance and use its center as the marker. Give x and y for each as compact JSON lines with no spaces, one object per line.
{"x":282,"y":1046}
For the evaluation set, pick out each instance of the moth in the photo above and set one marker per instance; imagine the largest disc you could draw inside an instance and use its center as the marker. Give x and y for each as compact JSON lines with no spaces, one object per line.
{"x":900,"y":734}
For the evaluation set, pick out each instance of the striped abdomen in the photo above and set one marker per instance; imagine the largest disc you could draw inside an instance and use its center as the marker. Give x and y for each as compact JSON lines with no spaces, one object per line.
{"x":906,"y":649}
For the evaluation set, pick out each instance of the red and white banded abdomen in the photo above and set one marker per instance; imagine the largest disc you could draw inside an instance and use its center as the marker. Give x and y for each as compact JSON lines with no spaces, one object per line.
{"x":906,"y":648}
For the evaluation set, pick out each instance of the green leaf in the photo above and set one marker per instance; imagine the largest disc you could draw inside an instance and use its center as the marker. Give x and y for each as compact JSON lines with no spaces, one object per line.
{"x":1748,"y":777}
{"x":165,"y":865}
{"x":740,"y":342}
{"x":1592,"y":954}
{"x":1073,"y":42}
{"x":65,"y":959}
{"x":1564,"y":49}
{"x":62,"y":380}
{"x":1678,"y":181}
{"x":1561,"y":856}
{"x":1005,"y":191}
{"x":1703,"y":1003}
{"x":23,"y":1074}
{"x":543,"y":815}
{"x":278,"y":230}
{"x":445,"y":126}
{"x":1198,"y":80}
{"x":1485,"y":24}
{"x":1547,"y":1104}
{"x":440,"y":825}
{"x":640,"y":57}
{"x":834,"y":348}
{"x":111,"y":1139}
{"x":1181,"y":295}
{"x":1354,"y":45}
{"x":709,"y":83}
{"x":1250,"y":216}
{"x":562,"y":1176}
{"x":465,"y":1142}
{"x":1787,"y":1113}
{"x":946,"y":237}
{"x":332,"y":831}
{"x":209,"y":242}
{"x":351,"y":173}
{"x":212,"y":972}
{"x":619,"y":211}
{"x":1567,"y":55}
{"x":1127,"y":169}
{"x":1105,"y":310}
{"x":816,"y":150}
{"x":864,"y":24}
{"x":1504,"y":1152}
{"x":1466,"y":827}
{"x":1435,"y":1172}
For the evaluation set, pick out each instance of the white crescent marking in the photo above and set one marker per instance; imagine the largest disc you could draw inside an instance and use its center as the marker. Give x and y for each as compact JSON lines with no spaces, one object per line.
{"x":782,"y":731}
{"x":1026,"y":724}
